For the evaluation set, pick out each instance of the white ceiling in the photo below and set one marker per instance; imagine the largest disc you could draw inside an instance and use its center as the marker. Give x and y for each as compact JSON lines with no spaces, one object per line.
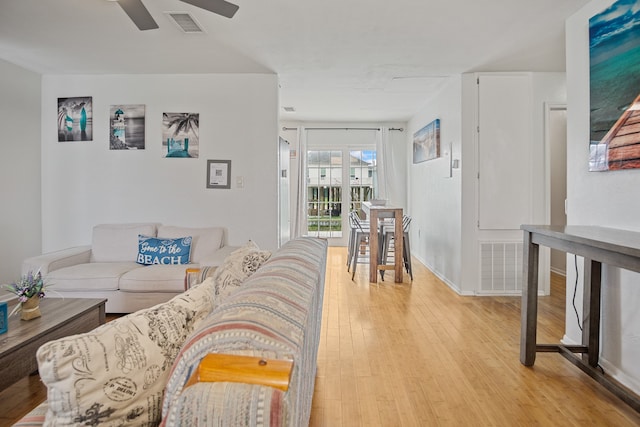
{"x":337,"y":60}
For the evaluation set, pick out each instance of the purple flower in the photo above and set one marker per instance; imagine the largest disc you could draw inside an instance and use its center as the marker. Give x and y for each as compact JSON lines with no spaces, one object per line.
{"x":28,"y":286}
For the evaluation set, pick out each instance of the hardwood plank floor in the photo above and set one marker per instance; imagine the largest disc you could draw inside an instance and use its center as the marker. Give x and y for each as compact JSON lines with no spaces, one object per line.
{"x":417,"y":354}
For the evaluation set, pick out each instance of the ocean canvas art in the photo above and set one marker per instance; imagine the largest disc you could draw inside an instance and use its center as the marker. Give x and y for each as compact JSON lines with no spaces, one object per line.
{"x":75,"y":119}
{"x":426,"y":142}
{"x":614,"y":63}
{"x":180,"y":134}
{"x":126,"y":127}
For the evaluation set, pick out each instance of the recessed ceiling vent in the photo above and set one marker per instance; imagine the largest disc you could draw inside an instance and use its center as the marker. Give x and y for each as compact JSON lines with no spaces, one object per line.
{"x":185,"y":22}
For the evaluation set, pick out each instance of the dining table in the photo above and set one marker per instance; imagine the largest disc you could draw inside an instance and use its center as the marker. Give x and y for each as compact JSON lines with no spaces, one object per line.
{"x":376,"y":212}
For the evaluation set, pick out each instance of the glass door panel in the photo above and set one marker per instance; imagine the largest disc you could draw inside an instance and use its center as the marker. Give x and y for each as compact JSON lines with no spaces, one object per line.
{"x":324,"y":193}
{"x":336,"y":186}
{"x":362,"y":170}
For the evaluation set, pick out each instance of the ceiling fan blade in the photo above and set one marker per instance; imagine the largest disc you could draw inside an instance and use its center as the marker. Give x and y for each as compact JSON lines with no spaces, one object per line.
{"x":220,"y":7}
{"x":138,"y":14}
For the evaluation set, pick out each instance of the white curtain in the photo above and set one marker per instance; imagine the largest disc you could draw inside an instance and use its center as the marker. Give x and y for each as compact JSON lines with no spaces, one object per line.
{"x":382,"y":140}
{"x":390,"y":170}
{"x":300,"y":212}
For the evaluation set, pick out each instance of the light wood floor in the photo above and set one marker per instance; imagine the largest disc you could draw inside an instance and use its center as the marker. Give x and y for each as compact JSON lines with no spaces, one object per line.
{"x":417,"y":354}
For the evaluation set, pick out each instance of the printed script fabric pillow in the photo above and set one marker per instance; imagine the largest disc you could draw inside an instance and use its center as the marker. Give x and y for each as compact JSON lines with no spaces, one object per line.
{"x":115,"y":374}
{"x":152,"y":250}
{"x":198,"y":275}
{"x":239,"y":265}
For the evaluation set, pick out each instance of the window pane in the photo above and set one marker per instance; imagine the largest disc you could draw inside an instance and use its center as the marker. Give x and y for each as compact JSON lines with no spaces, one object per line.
{"x":324,"y":214}
{"x":363,"y":165}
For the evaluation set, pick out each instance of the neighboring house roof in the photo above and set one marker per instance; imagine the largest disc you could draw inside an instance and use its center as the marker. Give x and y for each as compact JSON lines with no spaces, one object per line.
{"x":323,"y":158}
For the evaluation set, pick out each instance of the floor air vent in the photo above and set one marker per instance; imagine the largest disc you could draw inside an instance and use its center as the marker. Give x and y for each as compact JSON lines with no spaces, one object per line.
{"x":500,"y":267}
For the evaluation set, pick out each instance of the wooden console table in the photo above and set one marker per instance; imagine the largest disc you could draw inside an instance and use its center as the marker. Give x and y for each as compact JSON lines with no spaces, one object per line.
{"x":375,"y":212}
{"x":619,"y":248}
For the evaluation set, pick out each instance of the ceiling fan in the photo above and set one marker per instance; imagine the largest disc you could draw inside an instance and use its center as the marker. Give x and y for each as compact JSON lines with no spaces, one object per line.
{"x":144,"y":21}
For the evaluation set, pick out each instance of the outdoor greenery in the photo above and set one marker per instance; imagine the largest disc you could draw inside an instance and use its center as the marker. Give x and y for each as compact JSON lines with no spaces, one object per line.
{"x":324,"y":223}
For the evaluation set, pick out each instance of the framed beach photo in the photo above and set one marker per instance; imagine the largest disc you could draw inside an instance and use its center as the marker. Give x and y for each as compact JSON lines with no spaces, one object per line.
{"x":181,"y":135}
{"x":426,"y":142}
{"x":219,"y":174}
{"x":126,"y":127}
{"x":614,"y":66}
{"x":75,"y":119}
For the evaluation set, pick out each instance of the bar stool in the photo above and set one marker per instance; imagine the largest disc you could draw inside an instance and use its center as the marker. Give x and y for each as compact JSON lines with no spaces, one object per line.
{"x":354,"y":220}
{"x":360,"y":239}
{"x":387,"y":234}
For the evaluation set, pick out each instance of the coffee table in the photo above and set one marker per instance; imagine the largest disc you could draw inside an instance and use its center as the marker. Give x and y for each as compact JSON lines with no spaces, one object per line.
{"x":61,"y":317}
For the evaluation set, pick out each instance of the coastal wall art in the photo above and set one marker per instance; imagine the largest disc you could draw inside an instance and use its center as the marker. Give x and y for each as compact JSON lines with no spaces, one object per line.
{"x":126,"y":127}
{"x":426,"y":142}
{"x":614,"y":63}
{"x":180,"y":134}
{"x":75,"y":119}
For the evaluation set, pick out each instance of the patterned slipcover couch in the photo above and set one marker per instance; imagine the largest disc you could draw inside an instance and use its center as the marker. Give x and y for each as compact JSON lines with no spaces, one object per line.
{"x":134,"y":370}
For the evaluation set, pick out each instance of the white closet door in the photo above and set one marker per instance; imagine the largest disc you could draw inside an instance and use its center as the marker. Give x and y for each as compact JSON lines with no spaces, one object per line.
{"x":504,"y":151}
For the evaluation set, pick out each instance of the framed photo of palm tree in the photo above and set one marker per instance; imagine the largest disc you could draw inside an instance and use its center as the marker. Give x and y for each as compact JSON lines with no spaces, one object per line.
{"x":180,"y":135}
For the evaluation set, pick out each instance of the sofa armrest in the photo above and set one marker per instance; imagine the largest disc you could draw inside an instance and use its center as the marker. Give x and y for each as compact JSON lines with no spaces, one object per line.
{"x":229,"y":404}
{"x":51,"y":261}
{"x":215,"y":367}
{"x":196,"y":275}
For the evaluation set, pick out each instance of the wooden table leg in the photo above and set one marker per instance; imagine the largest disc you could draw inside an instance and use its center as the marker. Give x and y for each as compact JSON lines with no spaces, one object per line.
{"x":591,"y":311}
{"x":373,"y":246}
{"x":398,"y":237}
{"x":529,"y":307}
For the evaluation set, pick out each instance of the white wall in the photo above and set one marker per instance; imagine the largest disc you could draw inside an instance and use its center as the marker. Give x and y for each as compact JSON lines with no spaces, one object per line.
{"x":434,"y":196}
{"x":548,"y":89}
{"x":86,"y":183}
{"x":545,"y":88}
{"x":20,"y":229}
{"x":600,"y":198}
{"x":558,"y":180}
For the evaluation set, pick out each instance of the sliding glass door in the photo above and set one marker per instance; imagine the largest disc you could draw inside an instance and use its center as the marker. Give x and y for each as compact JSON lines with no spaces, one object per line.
{"x":324,"y":193}
{"x":338,"y":181}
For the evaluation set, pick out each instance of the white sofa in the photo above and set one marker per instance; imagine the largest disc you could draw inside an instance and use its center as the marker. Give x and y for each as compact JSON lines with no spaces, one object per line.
{"x":108,"y":269}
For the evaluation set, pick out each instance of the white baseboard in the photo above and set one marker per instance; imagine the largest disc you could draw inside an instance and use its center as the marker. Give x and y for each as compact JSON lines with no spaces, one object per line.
{"x":620,"y":376}
{"x":568,"y":341}
{"x":610,"y":369}
{"x":6,"y":296}
{"x":446,"y":281}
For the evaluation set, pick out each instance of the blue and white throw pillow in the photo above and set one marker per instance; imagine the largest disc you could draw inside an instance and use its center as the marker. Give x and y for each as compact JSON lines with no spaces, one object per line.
{"x":152,"y":250}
